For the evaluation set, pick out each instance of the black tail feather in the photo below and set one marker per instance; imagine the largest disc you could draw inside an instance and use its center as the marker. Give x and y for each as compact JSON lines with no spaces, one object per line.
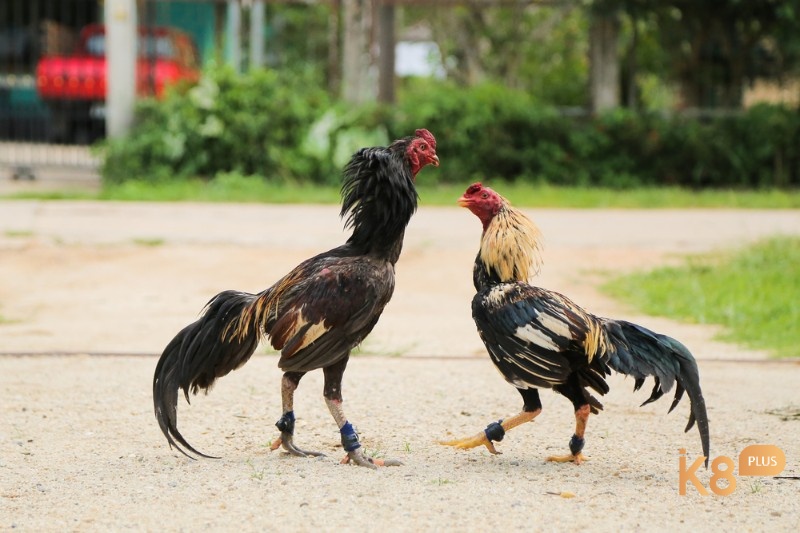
{"x":639,"y":352}
{"x":200,"y":353}
{"x":678,"y":395}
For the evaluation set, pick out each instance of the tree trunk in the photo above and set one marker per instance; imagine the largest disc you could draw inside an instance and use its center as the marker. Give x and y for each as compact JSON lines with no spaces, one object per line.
{"x":629,"y":86}
{"x":386,"y":43}
{"x":334,"y":59}
{"x":355,"y":63}
{"x":604,"y":61}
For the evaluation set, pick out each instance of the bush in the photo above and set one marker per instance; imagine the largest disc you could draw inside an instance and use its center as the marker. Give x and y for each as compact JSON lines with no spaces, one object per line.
{"x":488,"y":132}
{"x":249,"y":124}
{"x":282,"y":127}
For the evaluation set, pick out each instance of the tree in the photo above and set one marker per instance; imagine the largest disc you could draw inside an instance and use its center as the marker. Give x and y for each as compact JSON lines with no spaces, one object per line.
{"x":713,"y":48}
{"x":356,"y":30}
{"x":541,"y":49}
{"x":604,"y":78}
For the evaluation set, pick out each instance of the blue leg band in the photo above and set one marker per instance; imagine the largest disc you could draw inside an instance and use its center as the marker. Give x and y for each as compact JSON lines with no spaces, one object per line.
{"x":349,"y":437}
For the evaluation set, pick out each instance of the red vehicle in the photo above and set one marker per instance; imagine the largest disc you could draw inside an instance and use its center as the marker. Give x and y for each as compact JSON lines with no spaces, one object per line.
{"x":74,"y":86}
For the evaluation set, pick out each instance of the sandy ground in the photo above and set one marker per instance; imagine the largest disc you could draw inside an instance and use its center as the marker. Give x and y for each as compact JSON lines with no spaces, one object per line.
{"x":80,"y":450}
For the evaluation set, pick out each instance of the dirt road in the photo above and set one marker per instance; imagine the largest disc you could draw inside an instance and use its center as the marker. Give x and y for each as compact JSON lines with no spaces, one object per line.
{"x":79,"y":449}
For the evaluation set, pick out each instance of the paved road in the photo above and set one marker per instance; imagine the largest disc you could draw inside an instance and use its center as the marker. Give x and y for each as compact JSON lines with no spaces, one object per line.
{"x":123,"y":277}
{"x":80,"y":450}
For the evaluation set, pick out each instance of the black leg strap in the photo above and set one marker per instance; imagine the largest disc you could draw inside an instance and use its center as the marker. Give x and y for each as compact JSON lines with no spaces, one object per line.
{"x":576,"y":444}
{"x":495,"y":431}
{"x":286,"y":423}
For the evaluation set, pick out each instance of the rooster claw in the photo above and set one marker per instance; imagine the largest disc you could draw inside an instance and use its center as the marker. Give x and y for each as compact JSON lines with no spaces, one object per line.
{"x":357,"y":456}
{"x":286,"y":440}
{"x":472,"y":442}
{"x":578,"y":458}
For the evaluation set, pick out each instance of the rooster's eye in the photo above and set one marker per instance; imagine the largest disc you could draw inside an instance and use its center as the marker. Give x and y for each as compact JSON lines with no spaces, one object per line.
{"x":485,"y":196}
{"x":423,"y":147}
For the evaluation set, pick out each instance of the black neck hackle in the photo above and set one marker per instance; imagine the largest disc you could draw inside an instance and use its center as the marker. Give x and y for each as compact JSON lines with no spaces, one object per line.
{"x":378,"y":199}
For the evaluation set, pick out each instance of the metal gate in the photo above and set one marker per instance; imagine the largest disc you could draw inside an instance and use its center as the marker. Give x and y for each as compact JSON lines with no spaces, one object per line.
{"x":48,"y":121}
{"x":29,"y":30}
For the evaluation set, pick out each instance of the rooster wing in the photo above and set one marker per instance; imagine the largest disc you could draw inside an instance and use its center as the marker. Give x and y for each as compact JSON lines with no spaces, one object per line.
{"x":535,"y":337}
{"x":318,"y":317}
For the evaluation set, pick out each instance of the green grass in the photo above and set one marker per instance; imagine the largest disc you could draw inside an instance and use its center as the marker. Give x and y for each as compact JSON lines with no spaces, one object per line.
{"x":236,"y":188}
{"x":144,"y":241}
{"x":530,"y":195}
{"x":754,"y":293}
{"x":228,"y":189}
{"x":13,"y":233}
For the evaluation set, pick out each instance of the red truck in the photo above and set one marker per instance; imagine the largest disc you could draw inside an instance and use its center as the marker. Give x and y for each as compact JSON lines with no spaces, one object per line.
{"x":74,"y":86}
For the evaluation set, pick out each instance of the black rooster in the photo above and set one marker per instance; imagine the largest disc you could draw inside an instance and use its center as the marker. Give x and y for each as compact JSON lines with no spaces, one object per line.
{"x":541,"y":339}
{"x":315,"y":314}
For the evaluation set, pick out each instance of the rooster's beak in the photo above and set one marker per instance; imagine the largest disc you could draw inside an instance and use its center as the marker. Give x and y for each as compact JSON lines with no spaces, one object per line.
{"x":463,"y":202}
{"x":435,"y":161}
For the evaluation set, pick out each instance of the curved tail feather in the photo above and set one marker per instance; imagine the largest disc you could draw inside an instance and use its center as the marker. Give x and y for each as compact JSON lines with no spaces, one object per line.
{"x":639,"y":352}
{"x":221,"y":340}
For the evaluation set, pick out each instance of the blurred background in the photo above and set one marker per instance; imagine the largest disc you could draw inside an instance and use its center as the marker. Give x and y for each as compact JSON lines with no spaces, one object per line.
{"x":611,"y":93}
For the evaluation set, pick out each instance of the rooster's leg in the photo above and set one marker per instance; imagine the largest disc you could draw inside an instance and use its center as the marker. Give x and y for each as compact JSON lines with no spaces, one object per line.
{"x":289,"y":384}
{"x":497,"y":430}
{"x":580,"y":401}
{"x":333,"y":399}
{"x":576,"y":442}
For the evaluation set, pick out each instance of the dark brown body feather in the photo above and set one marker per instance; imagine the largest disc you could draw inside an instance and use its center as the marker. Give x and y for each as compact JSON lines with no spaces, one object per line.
{"x":315,"y":314}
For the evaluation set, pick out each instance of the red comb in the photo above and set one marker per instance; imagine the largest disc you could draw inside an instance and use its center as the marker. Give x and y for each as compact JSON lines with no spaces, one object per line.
{"x":475,"y":187}
{"x":422,"y":133}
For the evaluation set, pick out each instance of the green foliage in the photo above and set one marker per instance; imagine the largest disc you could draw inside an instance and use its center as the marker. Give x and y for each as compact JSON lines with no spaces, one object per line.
{"x":339,"y":133}
{"x":283,"y":128}
{"x":541,"y":49}
{"x":250,"y":124}
{"x":711,"y":48}
{"x":754,"y":293}
{"x":297,"y":34}
{"x":490,"y":132}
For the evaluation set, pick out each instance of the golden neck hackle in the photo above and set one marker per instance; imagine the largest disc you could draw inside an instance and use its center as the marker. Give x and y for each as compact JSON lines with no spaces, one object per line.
{"x":511,"y":245}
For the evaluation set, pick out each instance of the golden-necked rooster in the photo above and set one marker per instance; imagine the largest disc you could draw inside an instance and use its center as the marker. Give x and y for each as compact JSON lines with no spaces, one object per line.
{"x":541,"y":339}
{"x":317,"y":313}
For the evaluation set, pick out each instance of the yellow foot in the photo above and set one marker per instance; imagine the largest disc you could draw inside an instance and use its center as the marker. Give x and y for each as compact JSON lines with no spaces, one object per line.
{"x":471,"y":442}
{"x":577,"y":459}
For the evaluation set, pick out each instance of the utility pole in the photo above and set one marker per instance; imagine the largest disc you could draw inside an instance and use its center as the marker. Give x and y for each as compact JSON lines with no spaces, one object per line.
{"x":121,"y":51}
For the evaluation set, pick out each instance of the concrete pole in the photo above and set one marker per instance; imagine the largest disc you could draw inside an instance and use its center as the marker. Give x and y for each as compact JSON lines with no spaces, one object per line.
{"x":233,"y":49}
{"x":121,"y":47}
{"x":257,"y":34}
